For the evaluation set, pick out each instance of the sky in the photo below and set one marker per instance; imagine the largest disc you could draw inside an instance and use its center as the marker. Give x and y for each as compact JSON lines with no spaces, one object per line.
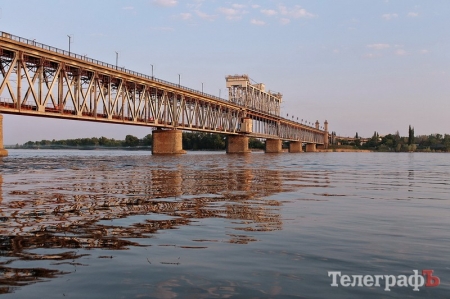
{"x":365,"y":66}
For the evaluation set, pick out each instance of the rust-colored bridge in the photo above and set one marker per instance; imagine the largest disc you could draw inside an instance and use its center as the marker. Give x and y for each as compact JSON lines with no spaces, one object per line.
{"x":39,"y":80}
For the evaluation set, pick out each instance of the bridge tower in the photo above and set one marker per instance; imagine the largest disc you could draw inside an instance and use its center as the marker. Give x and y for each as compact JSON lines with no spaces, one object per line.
{"x":253,"y":97}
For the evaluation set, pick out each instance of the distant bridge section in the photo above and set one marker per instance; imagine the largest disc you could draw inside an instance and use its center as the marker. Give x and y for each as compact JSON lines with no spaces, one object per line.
{"x":40,"y":80}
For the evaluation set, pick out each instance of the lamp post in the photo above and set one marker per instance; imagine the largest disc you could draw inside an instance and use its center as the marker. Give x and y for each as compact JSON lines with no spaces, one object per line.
{"x":179,"y":80}
{"x":117,"y":59}
{"x":202,"y":87}
{"x":152,"y":70}
{"x":69,"y":42}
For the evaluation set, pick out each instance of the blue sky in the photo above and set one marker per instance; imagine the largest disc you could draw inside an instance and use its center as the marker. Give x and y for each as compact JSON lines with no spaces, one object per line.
{"x":365,"y":66}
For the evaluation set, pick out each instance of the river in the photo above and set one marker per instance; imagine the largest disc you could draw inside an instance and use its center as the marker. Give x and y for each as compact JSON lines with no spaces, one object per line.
{"x":126,"y":224}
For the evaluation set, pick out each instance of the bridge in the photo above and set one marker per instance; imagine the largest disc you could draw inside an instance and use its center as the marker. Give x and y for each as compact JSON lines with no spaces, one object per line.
{"x":40,"y":80}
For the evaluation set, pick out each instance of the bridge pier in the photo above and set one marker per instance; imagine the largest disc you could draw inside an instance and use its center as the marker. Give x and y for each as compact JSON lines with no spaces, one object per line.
{"x":3,"y":152}
{"x":274,"y":146}
{"x":295,"y":147}
{"x":237,"y":144}
{"x":310,"y":147}
{"x":167,"y":142}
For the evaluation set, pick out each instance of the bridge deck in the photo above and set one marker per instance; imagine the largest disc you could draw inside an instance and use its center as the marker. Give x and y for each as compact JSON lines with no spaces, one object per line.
{"x":40,"y":80}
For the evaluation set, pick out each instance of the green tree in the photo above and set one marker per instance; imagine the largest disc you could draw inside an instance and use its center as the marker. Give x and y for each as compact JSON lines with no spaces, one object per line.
{"x":147,"y":140}
{"x":255,"y":143}
{"x":103,"y":141}
{"x":29,"y":144}
{"x":131,"y":140}
{"x":410,"y":135}
{"x":372,"y":143}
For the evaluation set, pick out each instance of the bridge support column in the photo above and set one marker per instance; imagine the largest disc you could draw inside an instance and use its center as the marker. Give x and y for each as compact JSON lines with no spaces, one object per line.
{"x":3,"y":152}
{"x":237,"y":144}
{"x":274,"y":146}
{"x":167,"y":142}
{"x":295,"y":147}
{"x":310,"y":147}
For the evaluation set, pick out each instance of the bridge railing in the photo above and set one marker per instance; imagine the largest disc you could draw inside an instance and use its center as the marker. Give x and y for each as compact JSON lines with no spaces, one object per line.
{"x":124,"y":70}
{"x":105,"y":64}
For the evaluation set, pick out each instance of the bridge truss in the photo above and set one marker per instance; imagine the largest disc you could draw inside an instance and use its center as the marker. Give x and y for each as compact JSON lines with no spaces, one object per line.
{"x":40,"y":80}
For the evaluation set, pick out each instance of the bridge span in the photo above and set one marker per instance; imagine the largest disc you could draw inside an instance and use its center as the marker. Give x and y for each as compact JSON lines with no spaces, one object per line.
{"x":40,"y":80}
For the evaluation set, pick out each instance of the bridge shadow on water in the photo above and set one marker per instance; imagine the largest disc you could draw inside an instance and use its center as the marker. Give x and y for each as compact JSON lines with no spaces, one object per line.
{"x":53,"y":208}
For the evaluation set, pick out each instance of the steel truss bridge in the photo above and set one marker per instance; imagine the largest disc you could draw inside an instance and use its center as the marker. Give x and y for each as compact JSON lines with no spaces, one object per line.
{"x":40,"y":80}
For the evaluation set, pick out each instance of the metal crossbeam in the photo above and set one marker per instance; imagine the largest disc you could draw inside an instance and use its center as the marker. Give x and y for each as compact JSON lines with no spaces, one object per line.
{"x":39,"y":80}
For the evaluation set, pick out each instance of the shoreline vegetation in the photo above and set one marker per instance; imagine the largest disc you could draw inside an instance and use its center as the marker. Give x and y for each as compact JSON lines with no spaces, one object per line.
{"x":393,"y":143}
{"x":191,"y":141}
{"x":212,"y":141}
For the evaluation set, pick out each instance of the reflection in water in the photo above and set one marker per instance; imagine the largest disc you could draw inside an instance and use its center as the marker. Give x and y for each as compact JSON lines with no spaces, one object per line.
{"x":210,"y":225}
{"x":51,"y":207}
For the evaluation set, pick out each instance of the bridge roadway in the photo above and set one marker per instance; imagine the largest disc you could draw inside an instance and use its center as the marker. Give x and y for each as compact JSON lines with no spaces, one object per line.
{"x":40,"y":80}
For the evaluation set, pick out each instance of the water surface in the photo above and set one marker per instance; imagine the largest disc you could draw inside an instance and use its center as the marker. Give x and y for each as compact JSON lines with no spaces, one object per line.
{"x":125,"y":224}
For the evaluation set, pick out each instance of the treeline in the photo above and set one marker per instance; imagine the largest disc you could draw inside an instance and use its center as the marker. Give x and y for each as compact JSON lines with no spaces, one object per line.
{"x":130,"y":141}
{"x":191,"y":141}
{"x":396,"y":143}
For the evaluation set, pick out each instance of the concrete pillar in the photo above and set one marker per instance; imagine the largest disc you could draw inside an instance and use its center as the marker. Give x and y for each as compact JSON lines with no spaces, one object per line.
{"x":168,"y":142}
{"x":310,"y":147}
{"x":274,"y":146}
{"x":237,"y":144}
{"x":295,"y":147}
{"x":3,"y":152}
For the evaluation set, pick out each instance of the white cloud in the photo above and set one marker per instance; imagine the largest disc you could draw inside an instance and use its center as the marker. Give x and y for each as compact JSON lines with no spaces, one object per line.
{"x":196,"y":5}
{"x":389,"y":16}
{"x":185,"y":16}
{"x":205,"y":16}
{"x":424,"y":51}
{"x":165,"y":3}
{"x":413,"y":14}
{"x":378,"y":46}
{"x":231,"y":13}
{"x":400,"y":52}
{"x":257,"y":22}
{"x":269,"y":12}
{"x":284,"y":21}
{"x":255,"y":6}
{"x":238,"y":6}
{"x":128,"y":8}
{"x":296,"y":12}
